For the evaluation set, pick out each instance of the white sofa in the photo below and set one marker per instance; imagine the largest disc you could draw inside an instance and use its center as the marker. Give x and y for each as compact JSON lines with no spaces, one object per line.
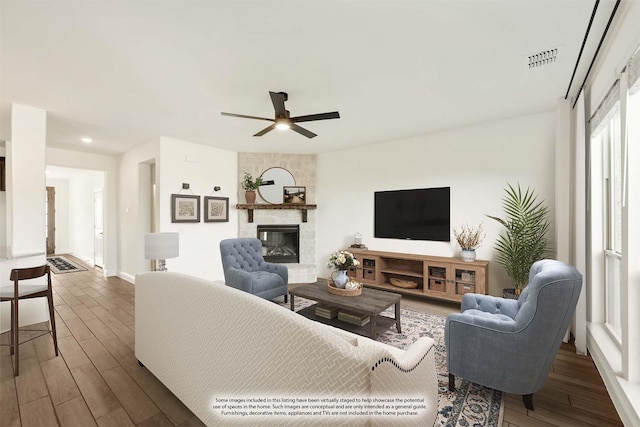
{"x":208,"y":342}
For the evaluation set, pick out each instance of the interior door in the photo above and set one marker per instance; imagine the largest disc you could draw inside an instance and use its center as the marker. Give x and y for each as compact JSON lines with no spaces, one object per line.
{"x":98,"y":247}
{"x":51,"y":220}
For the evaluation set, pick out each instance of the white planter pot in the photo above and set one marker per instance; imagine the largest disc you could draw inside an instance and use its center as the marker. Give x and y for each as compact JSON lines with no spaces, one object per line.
{"x":468,"y":255}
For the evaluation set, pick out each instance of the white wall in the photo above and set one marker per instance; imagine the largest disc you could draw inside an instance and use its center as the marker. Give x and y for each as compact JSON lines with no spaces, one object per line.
{"x":131,"y":237}
{"x":25,"y":202}
{"x":82,"y":213}
{"x":176,"y":162}
{"x":108,"y":165}
{"x":203,"y":167}
{"x":476,"y":162}
{"x":26,"y":182}
{"x":62,"y":214}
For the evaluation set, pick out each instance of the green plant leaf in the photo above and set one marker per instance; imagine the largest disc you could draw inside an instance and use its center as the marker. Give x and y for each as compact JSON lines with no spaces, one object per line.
{"x":524,"y":240}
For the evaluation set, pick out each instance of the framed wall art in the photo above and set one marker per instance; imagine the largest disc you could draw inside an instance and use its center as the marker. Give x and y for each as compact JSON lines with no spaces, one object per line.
{"x":216,"y":209}
{"x":185,"y":208}
{"x":294,"y":195}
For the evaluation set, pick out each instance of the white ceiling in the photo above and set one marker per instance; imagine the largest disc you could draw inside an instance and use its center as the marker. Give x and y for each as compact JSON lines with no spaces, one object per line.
{"x":125,"y":72}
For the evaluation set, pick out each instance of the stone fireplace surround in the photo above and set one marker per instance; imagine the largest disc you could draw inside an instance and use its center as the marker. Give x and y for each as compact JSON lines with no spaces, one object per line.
{"x":303,"y":169}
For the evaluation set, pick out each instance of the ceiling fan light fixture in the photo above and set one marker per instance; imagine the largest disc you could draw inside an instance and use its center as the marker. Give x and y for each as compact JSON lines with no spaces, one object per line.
{"x":283,"y":119}
{"x":283,"y":124}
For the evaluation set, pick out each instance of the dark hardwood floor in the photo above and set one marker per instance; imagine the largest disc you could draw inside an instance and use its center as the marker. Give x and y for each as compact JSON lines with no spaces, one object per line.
{"x":96,"y":380}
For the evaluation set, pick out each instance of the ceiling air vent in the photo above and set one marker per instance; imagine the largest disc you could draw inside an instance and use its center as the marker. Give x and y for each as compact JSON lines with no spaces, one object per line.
{"x":541,"y":59}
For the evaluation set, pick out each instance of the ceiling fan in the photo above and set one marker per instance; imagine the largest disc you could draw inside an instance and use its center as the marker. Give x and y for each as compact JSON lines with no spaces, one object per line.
{"x":283,"y":121}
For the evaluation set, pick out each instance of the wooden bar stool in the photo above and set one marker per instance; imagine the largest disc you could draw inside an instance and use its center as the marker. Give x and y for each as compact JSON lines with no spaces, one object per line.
{"x":23,"y":291}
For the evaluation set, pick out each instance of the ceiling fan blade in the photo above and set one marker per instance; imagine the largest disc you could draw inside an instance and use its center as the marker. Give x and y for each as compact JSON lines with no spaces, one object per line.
{"x":302,"y":131}
{"x":242,"y":116}
{"x":278,"y":98}
{"x":265,"y":130}
{"x":313,"y":117}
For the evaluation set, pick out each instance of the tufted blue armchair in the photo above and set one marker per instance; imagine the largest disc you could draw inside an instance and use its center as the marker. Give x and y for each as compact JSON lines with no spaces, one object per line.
{"x":245,"y":269}
{"x":510,"y":345}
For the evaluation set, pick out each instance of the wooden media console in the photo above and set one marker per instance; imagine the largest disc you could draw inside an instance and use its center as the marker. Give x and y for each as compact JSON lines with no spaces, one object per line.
{"x":423,"y":275}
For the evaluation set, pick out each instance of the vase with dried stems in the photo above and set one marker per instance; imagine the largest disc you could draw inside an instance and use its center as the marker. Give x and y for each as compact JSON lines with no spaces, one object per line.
{"x":469,"y":239}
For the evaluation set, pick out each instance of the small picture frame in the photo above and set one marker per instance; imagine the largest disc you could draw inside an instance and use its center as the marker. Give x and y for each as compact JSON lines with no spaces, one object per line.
{"x":185,"y":208}
{"x":294,"y":195}
{"x":216,"y":209}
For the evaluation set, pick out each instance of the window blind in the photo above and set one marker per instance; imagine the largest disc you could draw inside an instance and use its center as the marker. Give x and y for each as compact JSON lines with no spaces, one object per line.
{"x":633,"y":72}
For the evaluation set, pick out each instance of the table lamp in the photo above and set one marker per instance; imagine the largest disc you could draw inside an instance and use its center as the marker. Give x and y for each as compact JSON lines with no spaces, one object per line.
{"x":161,"y":246}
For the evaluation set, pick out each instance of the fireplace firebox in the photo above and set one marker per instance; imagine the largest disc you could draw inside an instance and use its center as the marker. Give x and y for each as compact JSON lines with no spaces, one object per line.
{"x":280,"y":243}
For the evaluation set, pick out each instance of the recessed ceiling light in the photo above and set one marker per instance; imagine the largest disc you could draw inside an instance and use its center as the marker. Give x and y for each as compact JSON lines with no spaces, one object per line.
{"x":86,"y":140}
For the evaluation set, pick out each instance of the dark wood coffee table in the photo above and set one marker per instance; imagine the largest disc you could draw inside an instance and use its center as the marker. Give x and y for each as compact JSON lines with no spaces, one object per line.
{"x":371,"y":303}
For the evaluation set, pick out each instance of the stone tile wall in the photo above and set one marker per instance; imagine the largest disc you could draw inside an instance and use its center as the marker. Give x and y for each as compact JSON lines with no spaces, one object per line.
{"x":303,"y":169}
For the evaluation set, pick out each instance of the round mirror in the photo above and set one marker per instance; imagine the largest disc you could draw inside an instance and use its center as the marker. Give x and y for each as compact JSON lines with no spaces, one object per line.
{"x":273,"y":180}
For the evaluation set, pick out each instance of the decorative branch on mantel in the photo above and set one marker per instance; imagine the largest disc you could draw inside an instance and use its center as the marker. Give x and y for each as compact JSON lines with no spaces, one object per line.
{"x":251,"y":207}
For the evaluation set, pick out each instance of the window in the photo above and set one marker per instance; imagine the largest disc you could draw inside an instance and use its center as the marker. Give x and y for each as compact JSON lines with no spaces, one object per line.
{"x":607,"y":136}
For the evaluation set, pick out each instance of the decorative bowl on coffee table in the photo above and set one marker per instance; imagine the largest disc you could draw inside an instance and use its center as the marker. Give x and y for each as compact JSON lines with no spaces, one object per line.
{"x":331,"y":287}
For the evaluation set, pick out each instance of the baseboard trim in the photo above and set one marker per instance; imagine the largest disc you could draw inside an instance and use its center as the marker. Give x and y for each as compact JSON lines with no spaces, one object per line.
{"x":622,"y":392}
{"x":128,"y":277}
{"x":84,"y":259}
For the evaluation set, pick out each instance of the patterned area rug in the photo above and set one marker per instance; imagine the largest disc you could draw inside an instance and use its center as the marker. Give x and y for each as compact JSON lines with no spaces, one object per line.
{"x":471,"y":404}
{"x":61,"y":265}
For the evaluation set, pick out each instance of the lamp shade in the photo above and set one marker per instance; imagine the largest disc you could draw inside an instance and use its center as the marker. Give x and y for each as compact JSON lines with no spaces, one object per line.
{"x":161,"y":245}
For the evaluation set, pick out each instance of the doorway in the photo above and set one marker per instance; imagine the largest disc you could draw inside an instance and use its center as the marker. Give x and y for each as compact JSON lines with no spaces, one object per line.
{"x":51,"y":220}
{"x":98,"y":228}
{"x":80,"y":224}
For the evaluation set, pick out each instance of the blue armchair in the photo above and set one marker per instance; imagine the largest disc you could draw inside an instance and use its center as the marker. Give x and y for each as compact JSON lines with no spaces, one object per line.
{"x":245,"y":269}
{"x":510,"y":345}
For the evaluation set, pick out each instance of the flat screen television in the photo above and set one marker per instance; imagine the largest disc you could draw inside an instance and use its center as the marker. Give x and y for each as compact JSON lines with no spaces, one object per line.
{"x":419,"y":214}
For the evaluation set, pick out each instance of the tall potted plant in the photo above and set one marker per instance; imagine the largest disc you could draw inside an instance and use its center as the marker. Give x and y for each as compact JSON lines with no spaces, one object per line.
{"x":250,"y":186}
{"x":524,"y":239}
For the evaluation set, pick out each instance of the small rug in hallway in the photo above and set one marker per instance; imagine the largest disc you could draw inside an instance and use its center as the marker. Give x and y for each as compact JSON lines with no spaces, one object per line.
{"x":471,"y":404}
{"x":61,"y":265}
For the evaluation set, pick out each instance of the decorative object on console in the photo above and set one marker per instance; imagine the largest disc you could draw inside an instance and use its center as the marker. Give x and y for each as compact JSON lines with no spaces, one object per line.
{"x":294,"y":195}
{"x":401,"y":283}
{"x":273,"y":181}
{"x":342,"y":261}
{"x":469,"y":238}
{"x":524,"y":241}
{"x":357,"y":241}
{"x":160,"y":246}
{"x":250,"y":186}
{"x":216,"y":209}
{"x":185,"y":208}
